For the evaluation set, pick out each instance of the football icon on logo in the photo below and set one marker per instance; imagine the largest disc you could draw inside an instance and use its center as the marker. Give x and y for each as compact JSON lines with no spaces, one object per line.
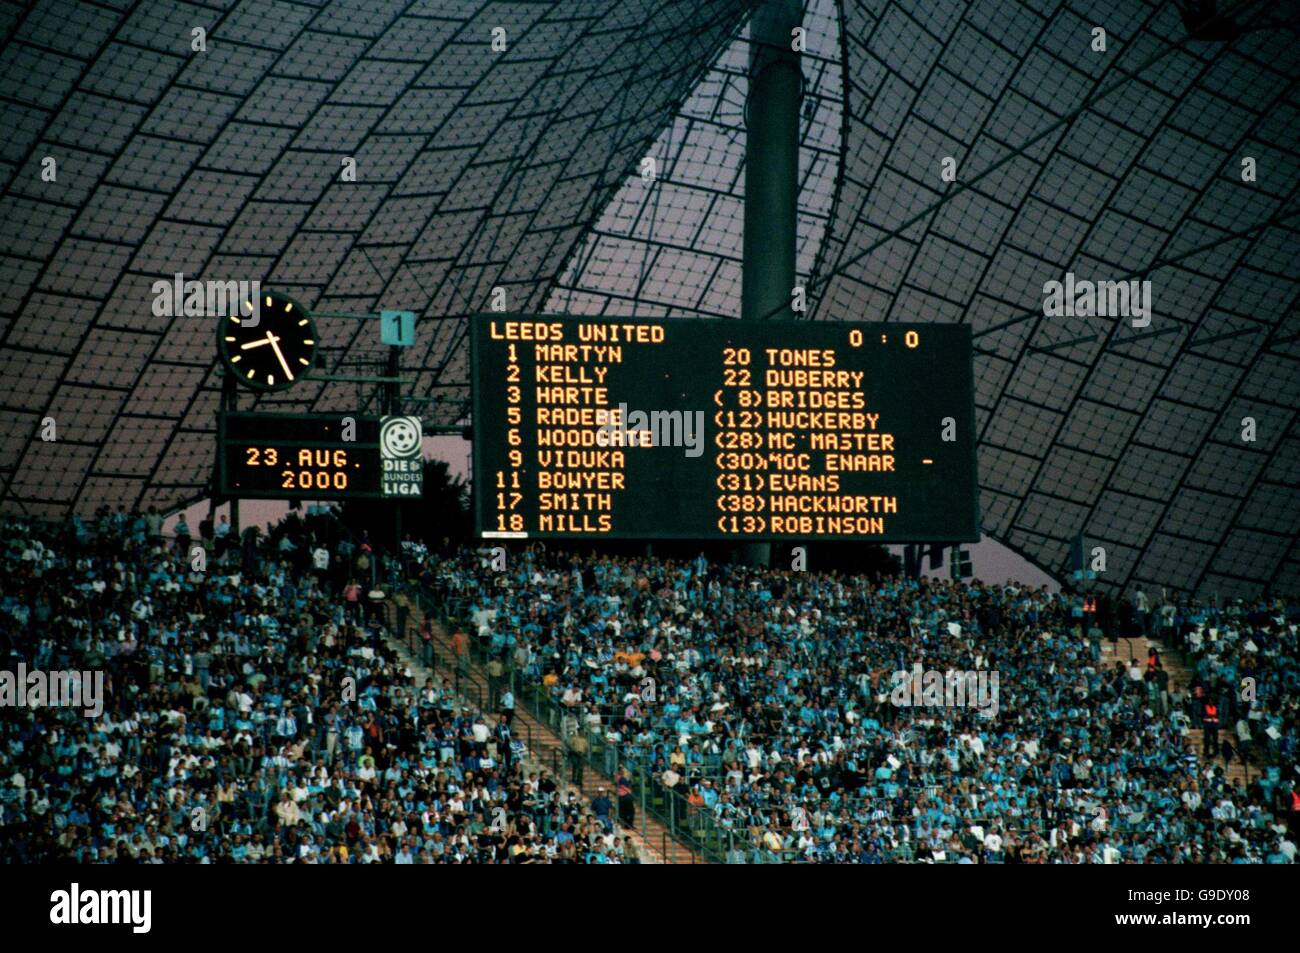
{"x":400,"y":436}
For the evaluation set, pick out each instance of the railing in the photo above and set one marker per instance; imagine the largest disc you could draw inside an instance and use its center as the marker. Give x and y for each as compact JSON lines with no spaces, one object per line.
{"x":1265,"y":752}
{"x":466,"y":688}
{"x":692,"y":825}
{"x":689,"y":825}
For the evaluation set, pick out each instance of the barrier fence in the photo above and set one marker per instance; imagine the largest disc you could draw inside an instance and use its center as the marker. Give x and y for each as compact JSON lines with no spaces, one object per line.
{"x":688,"y":821}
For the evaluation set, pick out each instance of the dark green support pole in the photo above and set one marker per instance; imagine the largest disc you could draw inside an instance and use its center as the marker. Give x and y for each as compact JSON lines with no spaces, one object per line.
{"x":393,"y":405}
{"x":771,"y":176}
{"x":771,"y":161}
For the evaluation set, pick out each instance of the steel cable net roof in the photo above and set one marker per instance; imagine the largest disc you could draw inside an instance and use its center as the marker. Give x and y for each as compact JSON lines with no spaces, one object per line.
{"x":475,"y":168}
{"x":521,"y":169}
{"x":1122,"y":164}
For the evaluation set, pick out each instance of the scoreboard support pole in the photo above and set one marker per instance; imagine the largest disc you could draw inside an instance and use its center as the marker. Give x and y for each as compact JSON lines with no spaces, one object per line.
{"x":229,"y":402}
{"x":392,"y":405}
{"x":771,"y":176}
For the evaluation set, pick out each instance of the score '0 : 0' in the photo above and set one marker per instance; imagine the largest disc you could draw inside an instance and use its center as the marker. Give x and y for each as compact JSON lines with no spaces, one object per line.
{"x":911,"y":338}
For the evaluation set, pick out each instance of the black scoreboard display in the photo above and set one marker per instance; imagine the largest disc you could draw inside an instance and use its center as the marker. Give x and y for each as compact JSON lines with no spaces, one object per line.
{"x":708,"y":429}
{"x":314,"y":456}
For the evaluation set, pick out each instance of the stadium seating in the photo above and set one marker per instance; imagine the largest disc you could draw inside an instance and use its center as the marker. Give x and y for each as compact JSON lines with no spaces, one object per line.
{"x":251,"y":713}
{"x":763,"y":699}
{"x":257,"y":711}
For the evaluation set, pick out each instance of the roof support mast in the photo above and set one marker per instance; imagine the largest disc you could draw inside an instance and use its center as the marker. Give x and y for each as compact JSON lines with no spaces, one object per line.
{"x":771,"y":174}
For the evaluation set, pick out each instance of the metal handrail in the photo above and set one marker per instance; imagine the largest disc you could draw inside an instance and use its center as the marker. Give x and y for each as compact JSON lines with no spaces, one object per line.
{"x":692,"y":828}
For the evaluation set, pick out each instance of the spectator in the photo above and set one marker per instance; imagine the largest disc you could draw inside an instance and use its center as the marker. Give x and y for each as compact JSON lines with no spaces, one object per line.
{"x":1210,"y":728}
{"x":577,"y":756}
{"x":601,"y":807}
{"x":221,"y":533}
{"x":626,"y":801}
{"x":1243,"y":739}
{"x":154,"y":525}
{"x":320,"y":560}
{"x":247,"y":693}
{"x":426,"y":643}
{"x":460,"y":650}
{"x":768,"y":706}
{"x":352,"y":602}
{"x":495,"y":672}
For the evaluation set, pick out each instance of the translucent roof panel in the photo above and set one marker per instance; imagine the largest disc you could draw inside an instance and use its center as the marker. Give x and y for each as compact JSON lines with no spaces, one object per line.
{"x":670,"y":242}
{"x":957,"y":159}
{"x":1168,"y":438}
{"x":163,"y":138}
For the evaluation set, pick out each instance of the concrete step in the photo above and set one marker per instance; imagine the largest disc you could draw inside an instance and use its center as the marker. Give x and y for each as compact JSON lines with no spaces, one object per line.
{"x":1180,"y":676}
{"x":652,"y":838}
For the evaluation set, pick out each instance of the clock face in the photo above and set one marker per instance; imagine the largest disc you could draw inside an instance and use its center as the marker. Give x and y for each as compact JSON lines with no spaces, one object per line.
{"x":275,"y":352}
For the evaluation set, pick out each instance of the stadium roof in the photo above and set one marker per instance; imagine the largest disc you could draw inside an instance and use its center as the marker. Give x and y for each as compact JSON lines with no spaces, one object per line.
{"x":479,"y":168}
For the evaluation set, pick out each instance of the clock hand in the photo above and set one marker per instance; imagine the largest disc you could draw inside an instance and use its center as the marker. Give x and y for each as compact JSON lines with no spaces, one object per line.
{"x":283,"y":363}
{"x":269,"y":339}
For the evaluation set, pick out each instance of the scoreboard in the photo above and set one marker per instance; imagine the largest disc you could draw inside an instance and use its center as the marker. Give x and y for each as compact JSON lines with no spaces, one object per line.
{"x":318,"y":456}
{"x":715,"y":429}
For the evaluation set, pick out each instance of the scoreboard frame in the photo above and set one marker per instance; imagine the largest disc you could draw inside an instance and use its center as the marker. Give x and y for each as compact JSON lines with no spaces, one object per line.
{"x":965,"y":419}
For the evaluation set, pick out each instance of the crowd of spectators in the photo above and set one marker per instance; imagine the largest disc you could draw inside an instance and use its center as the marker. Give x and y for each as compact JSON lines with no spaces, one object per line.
{"x":254,"y":711}
{"x":763,"y":698}
{"x":1245,"y":662}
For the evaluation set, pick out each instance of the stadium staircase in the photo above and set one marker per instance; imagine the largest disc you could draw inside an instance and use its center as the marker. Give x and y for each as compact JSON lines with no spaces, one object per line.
{"x":1180,"y":676}
{"x":653,"y":840}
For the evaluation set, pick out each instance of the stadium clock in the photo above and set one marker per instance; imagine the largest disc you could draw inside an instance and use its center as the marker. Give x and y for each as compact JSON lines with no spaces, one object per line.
{"x":273,"y":353}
